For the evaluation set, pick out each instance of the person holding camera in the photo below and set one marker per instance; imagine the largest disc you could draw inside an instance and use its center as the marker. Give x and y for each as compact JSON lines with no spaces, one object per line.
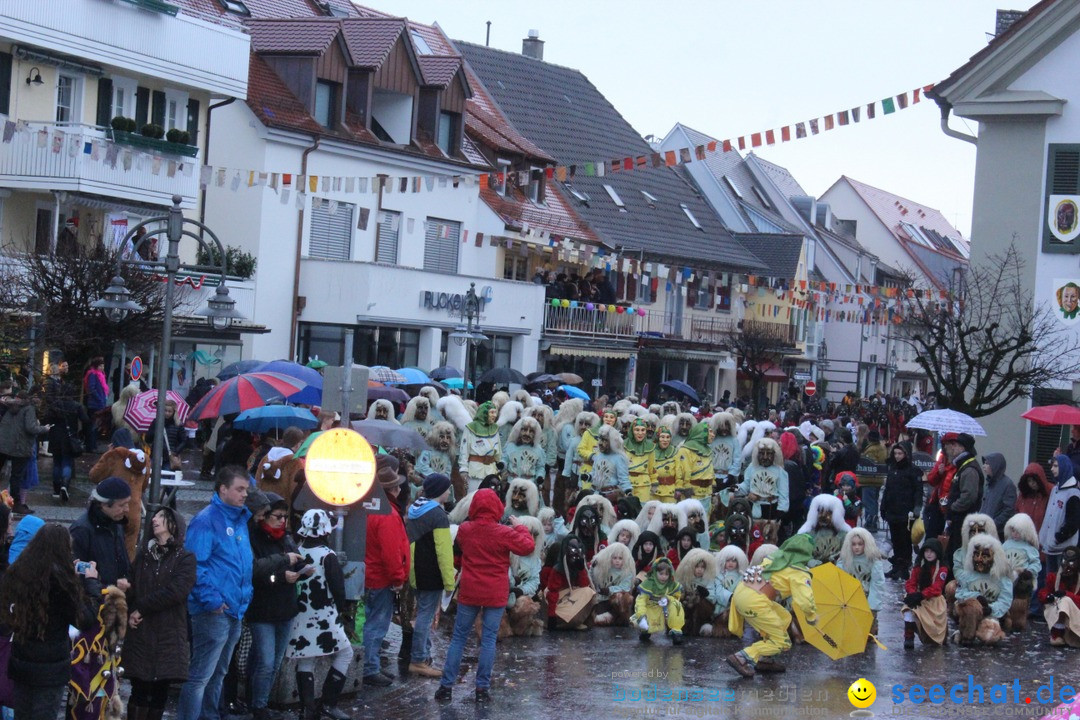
{"x":278,"y":566}
{"x":98,"y":534}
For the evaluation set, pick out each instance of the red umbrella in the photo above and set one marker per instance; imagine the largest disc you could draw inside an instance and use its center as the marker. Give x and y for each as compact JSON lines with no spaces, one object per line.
{"x":142,"y":409}
{"x":1053,"y":415}
{"x":244,"y":392}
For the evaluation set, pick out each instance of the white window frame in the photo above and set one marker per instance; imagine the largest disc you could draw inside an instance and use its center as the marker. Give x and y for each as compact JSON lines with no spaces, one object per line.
{"x":126,"y":88}
{"x":615,"y":198}
{"x":690,"y":215}
{"x":504,"y":170}
{"x":734,"y":188}
{"x":178,"y":118}
{"x":76,"y":98}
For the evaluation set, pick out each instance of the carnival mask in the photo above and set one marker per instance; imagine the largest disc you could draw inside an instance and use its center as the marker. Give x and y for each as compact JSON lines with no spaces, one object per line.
{"x":977,"y":528}
{"x":493,"y":415}
{"x":1070,"y":562}
{"x":982,"y":559}
{"x":444,"y":440}
{"x":684,"y":426}
{"x":670,"y":527}
{"x":664,"y":440}
{"x":519,"y":498}
{"x":587,"y":520}
{"x":695,"y":520}
{"x":381,"y":413}
{"x":575,"y":556}
{"x":527,"y":434}
{"x":421,"y":411}
{"x":824,"y":518}
{"x":765,"y":456}
{"x":604,"y":444}
{"x":609,"y":418}
{"x":736,"y":532}
{"x":640,"y":431}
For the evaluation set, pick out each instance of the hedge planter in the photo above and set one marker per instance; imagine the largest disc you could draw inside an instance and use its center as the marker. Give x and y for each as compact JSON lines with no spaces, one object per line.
{"x":162,"y":146}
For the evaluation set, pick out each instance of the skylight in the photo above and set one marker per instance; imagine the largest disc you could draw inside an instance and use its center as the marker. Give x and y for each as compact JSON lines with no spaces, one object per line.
{"x":761,"y":196}
{"x":235,"y":6}
{"x":583,"y":198}
{"x":420,"y":44}
{"x":734,"y":188}
{"x":650,"y":198}
{"x":615,"y":198}
{"x":690,"y":215}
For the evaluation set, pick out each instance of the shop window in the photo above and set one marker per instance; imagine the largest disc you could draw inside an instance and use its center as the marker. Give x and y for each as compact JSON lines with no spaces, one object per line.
{"x":331,"y":230}
{"x":442,"y":238}
{"x":323,"y":341}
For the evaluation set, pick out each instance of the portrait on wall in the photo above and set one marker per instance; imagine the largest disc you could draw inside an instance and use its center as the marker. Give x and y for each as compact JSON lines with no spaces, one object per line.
{"x":1063,"y":216}
{"x":1067,"y":300}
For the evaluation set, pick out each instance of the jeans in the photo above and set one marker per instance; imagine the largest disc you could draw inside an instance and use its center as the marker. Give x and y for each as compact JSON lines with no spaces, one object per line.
{"x":378,"y":610}
{"x":427,"y":601}
{"x":870,"y":508}
{"x":213,"y":639}
{"x":38,"y":703}
{"x":63,"y":467}
{"x":463,"y":627}
{"x":268,"y":643}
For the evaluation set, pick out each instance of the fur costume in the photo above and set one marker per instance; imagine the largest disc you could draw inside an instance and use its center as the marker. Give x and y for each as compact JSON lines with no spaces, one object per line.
{"x":565,"y":568}
{"x":454,"y":411}
{"x":120,"y":406}
{"x":587,"y":527}
{"x":614,"y":587}
{"x":524,"y":397}
{"x":460,"y":513}
{"x":568,"y":412}
{"x":705,"y":599}
{"x":549,"y":440}
{"x":558,"y":530}
{"x":610,"y":468}
{"x":440,"y":454}
{"x":94,"y":688}
{"x":678,"y":439}
{"x":726,"y":451}
{"x":669,"y":408}
{"x":500,"y":398}
{"x":626,"y":525}
{"x":604,"y":510}
{"x":1060,"y":596}
{"x":769,"y":483}
{"x":697,"y":519}
{"x":983,"y":598}
{"x":685,"y":541}
{"x":522,"y":616}
{"x":646,"y":514}
{"x":525,"y":461}
{"x":387,"y":407}
{"x":667,"y":533}
{"x":747,"y":436}
{"x":729,"y":578}
{"x":828,"y":540}
{"x":532,"y":499}
{"x":432,"y":396}
{"x":471,"y":406}
{"x":656,"y":409}
{"x":408,"y":418}
{"x":133,"y":467}
{"x":868,"y":568}
{"x":1021,"y":548}
{"x":280,"y":476}
{"x":763,"y":551}
{"x":509,"y":414}
{"x":974,"y":523}
{"x":581,"y":444}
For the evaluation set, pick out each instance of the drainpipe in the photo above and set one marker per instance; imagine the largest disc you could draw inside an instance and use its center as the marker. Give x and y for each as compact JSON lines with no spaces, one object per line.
{"x":945,"y":110}
{"x":299,"y":244}
{"x":206,"y":153}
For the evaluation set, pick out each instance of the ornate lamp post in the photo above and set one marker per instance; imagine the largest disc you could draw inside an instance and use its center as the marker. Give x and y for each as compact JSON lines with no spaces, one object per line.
{"x":117,"y":304}
{"x":470,"y":313}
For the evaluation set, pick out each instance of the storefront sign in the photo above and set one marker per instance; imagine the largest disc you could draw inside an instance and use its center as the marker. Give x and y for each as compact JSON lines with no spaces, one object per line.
{"x":452,"y":303}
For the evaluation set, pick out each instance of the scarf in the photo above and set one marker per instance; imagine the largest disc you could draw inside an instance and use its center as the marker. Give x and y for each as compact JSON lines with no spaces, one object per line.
{"x":273,"y":532}
{"x":662,"y":454}
{"x":796,"y":551}
{"x":652,"y":585}
{"x":698,"y":440}
{"x":634,"y":447}
{"x":480,"y":426}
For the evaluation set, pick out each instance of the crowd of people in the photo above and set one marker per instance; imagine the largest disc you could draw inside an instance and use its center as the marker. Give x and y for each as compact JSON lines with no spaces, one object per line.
{"x":524,"y":514}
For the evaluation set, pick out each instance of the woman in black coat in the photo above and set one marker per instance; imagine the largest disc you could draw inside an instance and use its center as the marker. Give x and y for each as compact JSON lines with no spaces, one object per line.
{"x":156,"y":650}
{"x":900,"y":503}
{"x":40,"y":597}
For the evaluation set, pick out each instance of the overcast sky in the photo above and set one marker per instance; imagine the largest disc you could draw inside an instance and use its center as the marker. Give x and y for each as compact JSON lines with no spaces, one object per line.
{"x":733,"y":67}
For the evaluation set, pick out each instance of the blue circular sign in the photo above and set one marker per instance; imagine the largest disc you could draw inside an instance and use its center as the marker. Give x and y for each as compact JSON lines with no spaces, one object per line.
{"x":136,"y":367}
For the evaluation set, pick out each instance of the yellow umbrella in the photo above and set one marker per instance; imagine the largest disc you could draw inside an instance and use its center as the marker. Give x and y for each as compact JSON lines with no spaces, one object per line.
{"x":844,"y":616}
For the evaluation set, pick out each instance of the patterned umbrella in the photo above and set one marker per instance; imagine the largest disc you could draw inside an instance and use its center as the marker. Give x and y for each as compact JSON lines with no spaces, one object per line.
{"x":944,"y":421}
{"x":312,"y":394}
{"x":238,"y":368}
{"x":244,"y":392}
{"x":142,"y":409}
{"x":386,"y":375}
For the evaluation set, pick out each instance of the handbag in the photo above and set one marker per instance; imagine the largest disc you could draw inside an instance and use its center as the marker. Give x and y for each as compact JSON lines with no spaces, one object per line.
{"x":575,"y":604}
{"x":74,"y":443}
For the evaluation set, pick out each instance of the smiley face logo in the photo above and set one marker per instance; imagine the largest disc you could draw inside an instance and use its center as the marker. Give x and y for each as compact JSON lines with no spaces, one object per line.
{"x":862,"y":693}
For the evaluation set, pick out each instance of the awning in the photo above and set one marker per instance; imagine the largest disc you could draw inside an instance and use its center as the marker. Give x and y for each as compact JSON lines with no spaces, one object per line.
{"x":719,"y":357}
{"x":590,"y":352}
{"x":772,"y":374}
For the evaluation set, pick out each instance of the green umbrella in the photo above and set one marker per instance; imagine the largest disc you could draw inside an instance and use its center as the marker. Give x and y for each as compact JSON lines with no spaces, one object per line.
{"x":317,"y":364}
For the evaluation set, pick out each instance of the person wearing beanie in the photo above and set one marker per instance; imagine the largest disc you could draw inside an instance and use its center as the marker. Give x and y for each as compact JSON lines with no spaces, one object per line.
{"x":428,"y":528}
{"x":98,"y":534}
{"x":965,"y":492}
{"x":874,"y":450}
{"x":387,"y":558}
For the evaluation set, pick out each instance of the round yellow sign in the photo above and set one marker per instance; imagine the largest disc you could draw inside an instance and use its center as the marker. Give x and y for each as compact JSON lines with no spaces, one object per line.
{"x":340,"y":467}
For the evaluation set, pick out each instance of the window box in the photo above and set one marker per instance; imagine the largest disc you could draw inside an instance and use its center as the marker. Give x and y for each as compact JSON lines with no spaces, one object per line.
{"x":163,"y":146}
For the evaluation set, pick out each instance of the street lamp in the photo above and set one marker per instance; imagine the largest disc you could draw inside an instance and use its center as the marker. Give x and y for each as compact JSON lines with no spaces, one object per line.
{"x":470,"y":313}
{"x":117,"y":304}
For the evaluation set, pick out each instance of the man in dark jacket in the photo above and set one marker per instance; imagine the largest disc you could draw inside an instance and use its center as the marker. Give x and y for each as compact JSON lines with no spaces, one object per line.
{"x":428,"y":528}
{"x":999,"y":492}
{"x":900,"y":503}
{"x":965,"y":492}
{"x":98,"y":535}
{"x":273,"y":601}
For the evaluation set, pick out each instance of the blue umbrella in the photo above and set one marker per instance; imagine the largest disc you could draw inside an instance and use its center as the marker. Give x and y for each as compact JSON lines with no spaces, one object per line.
{"x":275,"y":417}
{"x":444,"y":372}
{"x":312,"y":394}
{"x":238,"y":368}
{"x":413,"y":376}
{"x":455,"y":383}
{"x":574,"y":392}
{"x":678,"y":386}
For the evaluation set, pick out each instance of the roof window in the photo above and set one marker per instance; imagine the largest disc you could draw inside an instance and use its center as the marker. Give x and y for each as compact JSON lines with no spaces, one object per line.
{"x":690,"y":215}
{"x":235,"y":6}
{"x":615,"y":198}
{"x":761,"y":196}
{"x":650,"y":198}
{"x":422,"y":48}
{"x":734,"y":188}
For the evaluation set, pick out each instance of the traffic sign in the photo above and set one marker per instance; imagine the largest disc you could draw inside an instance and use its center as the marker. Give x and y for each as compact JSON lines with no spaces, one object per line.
{"x":597,"y":382}
{"x":136,"y":367}
{"x":811,"y":388}
{"x":340,"y":467}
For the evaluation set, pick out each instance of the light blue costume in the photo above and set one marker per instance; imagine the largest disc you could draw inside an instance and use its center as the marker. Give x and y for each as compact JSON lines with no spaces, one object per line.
{"x":1022,"y":556}
{"x":871,"y":575}
{"x":524,"y":461}
{"x":997,"y":591}
{"x":726,"y":456}
{"x":719,"y":595}
{"x":526,"y":576}
{"x":611,"y":469}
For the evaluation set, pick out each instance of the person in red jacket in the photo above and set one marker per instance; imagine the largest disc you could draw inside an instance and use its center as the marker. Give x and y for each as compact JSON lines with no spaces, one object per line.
{"x":566,"y":568}
{"x":940,"y":479}
{"x":483,"y":588}
{"x":1060,"y":597}
{"x":386,"y":557}
{"x":924,"y":607}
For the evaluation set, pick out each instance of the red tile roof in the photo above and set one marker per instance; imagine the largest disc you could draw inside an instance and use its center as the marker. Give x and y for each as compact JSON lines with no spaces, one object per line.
{"x":439,"y":70}
{"x":554,"y":216}
{"x":308,"y":36}
{"x":273,"y":102}
{"x":892,"y":210}
{"x":370,"y":40}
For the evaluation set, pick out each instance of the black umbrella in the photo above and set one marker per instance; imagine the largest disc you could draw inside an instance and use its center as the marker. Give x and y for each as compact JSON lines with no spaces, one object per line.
{"x":542,"y":379}
{"x":504,"y":376}
{"x":239,"y":368}
{"x":391,"y":435}
{"x":444,"y":372}
{"x":678,"y":386}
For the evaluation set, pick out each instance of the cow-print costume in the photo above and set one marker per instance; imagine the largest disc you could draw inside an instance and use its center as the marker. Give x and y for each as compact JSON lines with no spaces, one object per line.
{"x":315,"y":630}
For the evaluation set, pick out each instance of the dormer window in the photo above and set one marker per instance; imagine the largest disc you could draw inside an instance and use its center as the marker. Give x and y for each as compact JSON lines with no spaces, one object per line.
{"x":391,"y":116}
{"x":536,"y":185}
{"x":325,"y":103}
{"x":501,"y":182}
{"x":448,"y":132}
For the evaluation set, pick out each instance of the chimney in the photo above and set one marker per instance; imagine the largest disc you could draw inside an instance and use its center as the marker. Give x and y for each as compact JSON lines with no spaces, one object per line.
{"x":533,"y":46}
{"x":1005,"y":20}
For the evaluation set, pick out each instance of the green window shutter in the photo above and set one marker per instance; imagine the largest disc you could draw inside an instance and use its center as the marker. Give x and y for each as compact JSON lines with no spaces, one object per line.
{"x":5,"y":83}
{"x":157,"y":108}
{"x":142,"y":106}
{"x":193,"y":121}
{"x":104,"y":101}
{"x":1062,"y":178}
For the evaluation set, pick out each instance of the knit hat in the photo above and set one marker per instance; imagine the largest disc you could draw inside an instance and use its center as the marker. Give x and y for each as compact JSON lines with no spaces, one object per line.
{"x":386,"y":472}
{"x":827,"y":425}
{"x":873,"y":436}
{"x":315,"y":524}
{"x":275,"y":501}
{"x":435,"y":485}
{"x":122,"y":438}
{"x":110,"y":489}
{"x":256,"y":501}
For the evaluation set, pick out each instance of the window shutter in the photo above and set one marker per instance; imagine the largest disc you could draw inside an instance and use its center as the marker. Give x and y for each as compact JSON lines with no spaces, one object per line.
{"x":142,"y":107}
{"x":386,"y":242}
{"x":710,"y":293}
{"x":331,"y":235}
{"x":157,"y":111}
{"x":1062,"y":179}
{"x":691,"y":293}
{"x":620,"y":287}
{"x":631,"y":287}
{"x":441,"y":238}
{"x":193,"y":121}
{"x":5,"y":83}
{"x":104,"y":101}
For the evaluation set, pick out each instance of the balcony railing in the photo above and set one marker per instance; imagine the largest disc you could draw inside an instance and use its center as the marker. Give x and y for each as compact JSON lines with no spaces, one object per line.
{"x":580,"y":322}
{"x":60,"y":156}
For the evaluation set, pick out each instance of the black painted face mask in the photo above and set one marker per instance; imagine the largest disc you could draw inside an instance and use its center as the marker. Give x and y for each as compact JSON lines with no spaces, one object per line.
{"x":575,"y":556}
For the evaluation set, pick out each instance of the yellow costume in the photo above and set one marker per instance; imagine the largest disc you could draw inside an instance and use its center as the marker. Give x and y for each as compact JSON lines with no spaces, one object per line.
{"x":585,"y":450}
{"x":658,"y":603}
{"x":641,"y":459}
{"x":693,"y":466}
{"x":664,"y":471}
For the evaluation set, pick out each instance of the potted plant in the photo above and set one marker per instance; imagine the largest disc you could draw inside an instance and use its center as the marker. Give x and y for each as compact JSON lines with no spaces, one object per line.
{"x":153,"y":131}
{"x":178,"y":136}
{"x":238,"y":263}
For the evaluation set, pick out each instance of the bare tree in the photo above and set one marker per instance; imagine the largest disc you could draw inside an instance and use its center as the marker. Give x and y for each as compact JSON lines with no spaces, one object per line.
{"x":757,"y":345}
{"x":988,"y":343}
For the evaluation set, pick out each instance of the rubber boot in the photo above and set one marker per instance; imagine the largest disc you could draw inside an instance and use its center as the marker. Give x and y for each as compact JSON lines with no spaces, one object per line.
{"x":331,"y":691}
{"x":305,"y":688}
{"x":909,"y":635}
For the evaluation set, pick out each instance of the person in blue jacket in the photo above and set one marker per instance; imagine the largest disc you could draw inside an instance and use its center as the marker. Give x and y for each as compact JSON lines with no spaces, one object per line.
{"x":218,"y":536}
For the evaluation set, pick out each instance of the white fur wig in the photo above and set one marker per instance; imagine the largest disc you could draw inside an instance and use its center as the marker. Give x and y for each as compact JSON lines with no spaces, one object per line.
{"x":546,"y":514}
{"x":500,"y":398}
{"x":685,"y":572}
{"x":460,"y":513}
{"x":629,"y":526}
{"x":679,"y":418}
{"x":510,"y":413}
{"x":410,"y":410}
{"x":613,"y":437}
{"x":668,"y":421}
{"x":1023,"y":527}
{"x":390,"y":414}
{"x":568,"y":412}
{"x":522,"y":396}
{"x":691,"y":504}
{"x":438,"y":429}
{"x":778,"y":454}
{"x":536,"y":529}
{"x":657,"y":521}
{"x":745,"y":429}
{"x":643,"y":516}
{"x":621,"y":407}
{"x":724,"y":419}
{"x":656,"y":409}
{"x":542,"y":414}
{"x":652,"y":419}
{"x":871,"y":551}
{"x":972,"y":520}
{"x":1000,"y":568}
{"x":763,"y":551}
{"x":472,"y":406}
{"x":585,"y":421}
{"x":601,"y":563}
{"x":750,"y":448}
{"x":738,"y":414}
{"x":515,"y":432}
{"x":453,"y":409}
{"x":729,"y":552}
{"x":670,"y":408}
{"x":636,"y":410}
{"x":825,"y":502}
{"x":531,"y":494}
{"x":604,"y":509}
{"x":431,"y":394}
